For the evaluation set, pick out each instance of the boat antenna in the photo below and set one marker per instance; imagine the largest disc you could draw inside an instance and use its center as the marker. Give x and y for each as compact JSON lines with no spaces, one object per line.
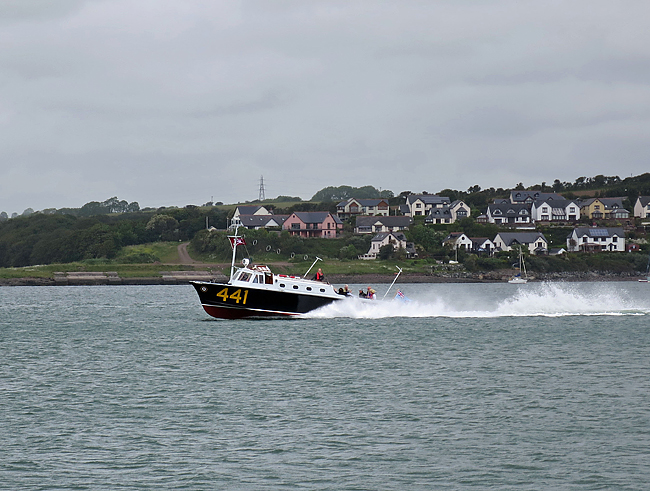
{"x":312,"y":265}
{"x":394,"y":280}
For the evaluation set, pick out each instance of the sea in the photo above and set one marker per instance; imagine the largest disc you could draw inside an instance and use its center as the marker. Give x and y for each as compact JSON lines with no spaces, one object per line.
{"x":460,"y":386}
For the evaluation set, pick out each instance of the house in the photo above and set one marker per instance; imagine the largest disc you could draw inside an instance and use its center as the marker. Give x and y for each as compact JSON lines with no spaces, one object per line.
{"x":535,"y":242}
{"x":508,"y":214}
{"x":439,"y":215}
{"x":482,"y":245}
{"x":368,"y":225}
{"x":396,"y":239}
{"x":595,"y":239}
{"x":353,"y":207}
{"x":642,"y":207}
{"x":251,"y":210}
{"x":261,"y":221}
{"x":555,"y":210}
{"x":313,"y":224}
{"x":459,"y":210}
{"x":604,"y":208}
{"x":458,"y":240}
{"x":247,"y":210}
{"x":421,"y":204}
{"x":447,"y":213}
{"x":529,"y":197}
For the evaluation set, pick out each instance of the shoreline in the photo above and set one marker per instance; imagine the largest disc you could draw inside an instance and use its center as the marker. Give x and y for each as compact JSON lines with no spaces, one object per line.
{"x":184,"y":277}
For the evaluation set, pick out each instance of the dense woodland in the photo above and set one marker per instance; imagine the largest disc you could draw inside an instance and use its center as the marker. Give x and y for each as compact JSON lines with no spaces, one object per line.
{"x":103,"y":229}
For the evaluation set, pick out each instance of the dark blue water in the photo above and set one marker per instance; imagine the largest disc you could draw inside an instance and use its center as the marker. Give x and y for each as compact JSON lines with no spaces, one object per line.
{"x":467,"y":387}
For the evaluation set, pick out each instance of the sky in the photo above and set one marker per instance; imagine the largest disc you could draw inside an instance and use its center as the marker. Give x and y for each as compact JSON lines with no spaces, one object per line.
{"x":170,"y":103}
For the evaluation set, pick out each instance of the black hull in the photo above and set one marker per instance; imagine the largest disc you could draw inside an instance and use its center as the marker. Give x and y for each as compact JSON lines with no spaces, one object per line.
{"x":225,"y":301}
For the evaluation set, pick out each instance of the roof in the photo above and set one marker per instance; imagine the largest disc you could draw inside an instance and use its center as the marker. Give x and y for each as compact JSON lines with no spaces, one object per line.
{"x":427,"y":199}
{"x":608,"y":203}
{"x":315,"y":216}
{"x":248,"y":210}
{"x":521,"y":196}
{"x":520,"y":237}
{"x":435,"y":213}
{"x":598,"y":232}
{"x":508,"y":209}
{"x":644,"y":200}
{"x":555,"y":203}
{"x":382,"y":236}
{"x":261,"y":220}
{"x":389,"y":221}
{"x":363,"y":202}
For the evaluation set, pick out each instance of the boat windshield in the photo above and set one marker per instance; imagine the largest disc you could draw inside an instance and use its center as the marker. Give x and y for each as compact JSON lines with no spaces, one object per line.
{"x":244,"y":276}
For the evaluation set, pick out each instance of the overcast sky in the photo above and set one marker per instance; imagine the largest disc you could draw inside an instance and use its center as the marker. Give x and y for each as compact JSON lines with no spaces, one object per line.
{"x":176,"y":102}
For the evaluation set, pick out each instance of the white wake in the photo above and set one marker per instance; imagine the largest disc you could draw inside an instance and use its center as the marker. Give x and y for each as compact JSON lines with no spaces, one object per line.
{"x":540,"y":299}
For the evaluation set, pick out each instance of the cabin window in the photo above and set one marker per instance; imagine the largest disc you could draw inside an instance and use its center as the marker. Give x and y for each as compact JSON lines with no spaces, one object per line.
{"x":295,"y":287}
{"x":322,"y":290}
{"x":244,"y":276}
{"x":269,"y":278}
{"x":309,"y":288}
{"x":282,"y":285}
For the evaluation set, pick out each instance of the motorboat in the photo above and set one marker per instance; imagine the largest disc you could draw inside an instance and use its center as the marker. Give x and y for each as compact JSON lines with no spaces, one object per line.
{"x":255,"y":291}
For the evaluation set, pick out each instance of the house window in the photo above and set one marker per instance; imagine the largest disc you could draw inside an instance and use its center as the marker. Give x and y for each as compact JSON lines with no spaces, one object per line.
{"x":295,"y":226}
{"x":614,"y":239}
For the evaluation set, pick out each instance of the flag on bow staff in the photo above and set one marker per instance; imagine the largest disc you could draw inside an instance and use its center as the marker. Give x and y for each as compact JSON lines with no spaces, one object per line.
{"x":236,"y":241}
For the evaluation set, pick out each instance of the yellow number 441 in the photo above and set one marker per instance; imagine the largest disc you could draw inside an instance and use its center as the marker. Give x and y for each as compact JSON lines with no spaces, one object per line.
{"x":236,"y":295}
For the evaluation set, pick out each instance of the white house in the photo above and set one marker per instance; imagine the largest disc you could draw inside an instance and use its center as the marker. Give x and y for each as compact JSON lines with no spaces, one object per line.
{"x":396,"y":239}
{"x":421,"y":204}
{"x":507,"y":213}
{"x":458,"y":240}
{"x":235,"y":221}
{"x":642,"y":207}
{"x":595,"y":239}
{"x":554,"y":210}
{"x":534,"y":241}
{"x":459,"y":209}
{"x":482,"y":245}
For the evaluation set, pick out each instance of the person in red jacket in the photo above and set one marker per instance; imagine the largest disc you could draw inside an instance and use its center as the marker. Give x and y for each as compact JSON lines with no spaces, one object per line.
{"x":319,"y":276}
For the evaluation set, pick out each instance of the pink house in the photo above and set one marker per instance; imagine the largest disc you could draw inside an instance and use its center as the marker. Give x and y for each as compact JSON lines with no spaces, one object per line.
{"x":313,"y":224}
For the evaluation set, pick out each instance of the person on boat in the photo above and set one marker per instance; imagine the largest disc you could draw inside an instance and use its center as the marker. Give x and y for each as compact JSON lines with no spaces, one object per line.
{"x":372,"y":294}
{"x":319,"y":276}
{"x":362,"y":294}
{"x":345,"y":291}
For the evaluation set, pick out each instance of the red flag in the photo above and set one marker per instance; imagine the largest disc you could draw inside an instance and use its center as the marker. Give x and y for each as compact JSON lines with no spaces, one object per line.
{"x":235,"y":241}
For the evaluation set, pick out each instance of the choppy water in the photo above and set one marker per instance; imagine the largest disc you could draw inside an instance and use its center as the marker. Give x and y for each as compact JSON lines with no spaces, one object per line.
{"x":539,"y":386}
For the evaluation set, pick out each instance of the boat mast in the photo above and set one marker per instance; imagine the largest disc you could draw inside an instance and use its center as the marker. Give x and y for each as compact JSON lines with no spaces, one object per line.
{"x":233,"y":241}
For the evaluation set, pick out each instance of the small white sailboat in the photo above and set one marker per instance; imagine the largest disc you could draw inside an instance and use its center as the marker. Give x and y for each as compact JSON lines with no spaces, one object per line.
{"x":518,"y":278}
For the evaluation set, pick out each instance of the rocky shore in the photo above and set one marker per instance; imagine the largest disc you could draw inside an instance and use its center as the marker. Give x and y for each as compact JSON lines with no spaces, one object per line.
{"x":183,"y":277}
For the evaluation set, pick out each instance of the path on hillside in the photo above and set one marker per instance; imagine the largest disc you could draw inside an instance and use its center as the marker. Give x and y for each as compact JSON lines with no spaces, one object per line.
{"x":184,"y":256}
